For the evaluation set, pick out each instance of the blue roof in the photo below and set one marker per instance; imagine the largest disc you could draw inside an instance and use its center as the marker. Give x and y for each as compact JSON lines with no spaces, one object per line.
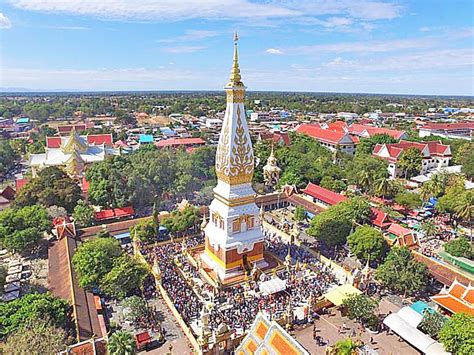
{"x":146,"y":138}
{"x":122,"y":235}
{"x":162,"y":229}
{"x":167,"y":131}
{"x":420,"y":307}
{"x":23,"y":120}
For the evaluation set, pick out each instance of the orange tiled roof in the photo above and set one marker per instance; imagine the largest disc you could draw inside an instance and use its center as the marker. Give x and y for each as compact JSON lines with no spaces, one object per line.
{"x":457,"y":299}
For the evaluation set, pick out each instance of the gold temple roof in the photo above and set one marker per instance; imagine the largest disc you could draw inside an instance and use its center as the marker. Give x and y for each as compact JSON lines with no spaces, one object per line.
{"x":74,"y":143}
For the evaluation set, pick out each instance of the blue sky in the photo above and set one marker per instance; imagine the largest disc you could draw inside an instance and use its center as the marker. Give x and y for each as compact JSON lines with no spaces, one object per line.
{"x":373,"y":46}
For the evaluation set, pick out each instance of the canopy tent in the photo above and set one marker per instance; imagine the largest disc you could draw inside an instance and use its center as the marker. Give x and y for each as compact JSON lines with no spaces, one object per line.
{"x":122,"y":236}
{"x":272,"y":286}
{"x":421,"y":307}
{"x":338,"y":294}
{"x":409,"y":315}
{"x":413,"y":336}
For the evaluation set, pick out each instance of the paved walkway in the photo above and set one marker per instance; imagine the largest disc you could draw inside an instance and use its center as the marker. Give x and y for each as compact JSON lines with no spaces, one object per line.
{"x":174,"y":335}
{"x":328,"y":328}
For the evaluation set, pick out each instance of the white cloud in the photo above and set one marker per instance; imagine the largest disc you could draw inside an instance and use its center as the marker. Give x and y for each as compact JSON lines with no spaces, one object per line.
{"x":191,"y":35}
{"x":176,"y":10}
{"x":5,"y":22}
{"x":274,"y":51}
{"x":184,"y":49}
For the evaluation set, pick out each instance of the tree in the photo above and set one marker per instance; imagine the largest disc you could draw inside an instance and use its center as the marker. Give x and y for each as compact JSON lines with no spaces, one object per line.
{"x":410,"y":162}
{"x":460,"y":247}
{"x":429,"y":228}
{"x":409,"y":200}
{"x":135,"y":308}
{"x":32,"y":306}
{"x":126,"y":276}
{"x":36,"y":337}
{"x":328,"y":182}
{"x":299,"y":214}
{"x":400,"y":272}
{"x":457,"y":334}
{"x":178,"y":222}
{"x":464,"y":209}
{"x":432,"y":323}
{"x":382,"y":186}
{"x":345,"y":347}
{"x":83,"y":214}
{"x":468,"y":165}
{"x":94,"y":259}
{"x":144,"y":231}
{"x":367,"y":243}
{"x":362,"y":309}
{"x":51,"y":187}
{"x":8,"y":156}
{"x":24,"y":227}
{"x":122,"y":343}
{"x":56,"y":211}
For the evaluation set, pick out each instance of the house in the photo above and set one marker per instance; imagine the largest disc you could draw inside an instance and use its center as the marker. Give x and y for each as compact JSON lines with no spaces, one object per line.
{"x":435,"y":155}
{"x":379,"y":219}
{"x":260,"y":116}
{"x":332,"y":140}
{"x":7,"y":195}
{"x":461,"y":130}
{"x":458,"y":298}
{"x":400,"y":236}
{"x":321,"y":196}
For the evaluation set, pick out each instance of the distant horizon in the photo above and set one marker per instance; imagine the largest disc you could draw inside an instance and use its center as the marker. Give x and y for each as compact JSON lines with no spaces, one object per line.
{"x":33,"y":92}
{"x":406,"y":47}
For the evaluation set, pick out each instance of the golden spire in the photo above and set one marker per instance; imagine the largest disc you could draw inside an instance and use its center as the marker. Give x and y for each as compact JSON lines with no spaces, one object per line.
{"x":235,"y":78}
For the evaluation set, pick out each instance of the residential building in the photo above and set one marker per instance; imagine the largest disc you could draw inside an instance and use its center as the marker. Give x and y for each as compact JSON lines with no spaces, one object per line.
{"x":365,"y":131}
{"x":461,"y":130}
{"x":434,"y":155}
{"x":332,"y":140}
{"x":259,"y":116}
{"x":180,"y":142}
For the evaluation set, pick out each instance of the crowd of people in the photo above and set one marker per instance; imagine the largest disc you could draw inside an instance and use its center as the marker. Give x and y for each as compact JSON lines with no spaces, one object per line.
{"x":238,"y":306}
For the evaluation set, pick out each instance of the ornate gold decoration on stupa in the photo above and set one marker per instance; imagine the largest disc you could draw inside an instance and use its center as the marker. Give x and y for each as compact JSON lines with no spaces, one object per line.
{"x":234,"y":157}
{"x":75,"y":164}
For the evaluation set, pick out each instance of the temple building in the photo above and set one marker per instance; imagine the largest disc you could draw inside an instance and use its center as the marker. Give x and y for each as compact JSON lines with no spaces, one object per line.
{"x":233,"y":239}
{"x":72,"y":153}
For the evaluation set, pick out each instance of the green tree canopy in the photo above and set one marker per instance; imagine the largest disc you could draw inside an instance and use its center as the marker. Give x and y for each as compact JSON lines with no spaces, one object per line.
{"x":408,"y":200}
{"x":366,"y":145}
{"x":32,"y":306}
{"x":432,"y":323}
{"x":83,"y":214}
{"x":127,"y":275}
{"x":362,"y":309}
{"x":460,"y":247}
{"x":144,"y":231}
{"x":122,"y":343}
{"x":36,"y":337}
{"x":457,"y":334}
{"x":24,"y":227}
{"x":51,"y":187}
{"x":178,"y":222}
{"x":410,"y":162}
{"x":93,"y":259}
{"x":8,"y":156}
{"x":135,"y":308}
{"x":402,"y":273}
{"x":367,"y":243}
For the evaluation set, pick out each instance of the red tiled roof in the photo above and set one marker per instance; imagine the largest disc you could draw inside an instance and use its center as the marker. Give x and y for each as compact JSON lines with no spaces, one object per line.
{"x":281,"y":136}
{"x":99,"y":139}
{"x":53,"y":142}
{"x":325,"y":195}
{"x":124,"y":212}
{"x":179,"y":141}
{"x":449,"y":126}
{"x":85,"y":185}
{"x":398,"y":230}
{"x":324,"y":135}
{"x":104,"y":214}
{"x":379,"y":218}
{"x":395,"y":149}
{"x":372,"y":131}
{"x":68,"y":128}
{"x":337,"y":126}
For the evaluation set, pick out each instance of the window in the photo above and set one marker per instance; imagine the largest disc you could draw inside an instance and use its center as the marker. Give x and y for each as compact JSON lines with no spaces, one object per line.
{"x":221,"y":224}
{"x":251,"y":223}
{"x":236,"y":226}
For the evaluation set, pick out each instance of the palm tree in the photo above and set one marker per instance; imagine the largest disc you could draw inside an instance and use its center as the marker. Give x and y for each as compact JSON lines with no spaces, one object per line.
{"x":426,"y":191}
{"x":465,"y":209}
{"x":122,"y":343}
{"x":429,"y":228}
{"x":437,"y":184}
{"x":382,"y":186}
{"x":364,"y":180}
